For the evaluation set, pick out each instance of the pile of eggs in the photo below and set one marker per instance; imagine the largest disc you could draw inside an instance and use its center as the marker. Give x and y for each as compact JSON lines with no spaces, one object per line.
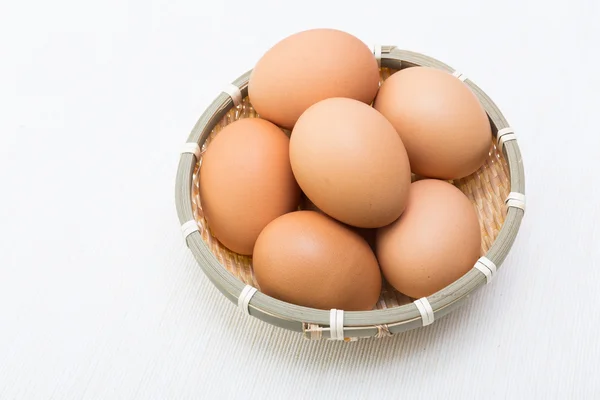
{"x":342,"y":182}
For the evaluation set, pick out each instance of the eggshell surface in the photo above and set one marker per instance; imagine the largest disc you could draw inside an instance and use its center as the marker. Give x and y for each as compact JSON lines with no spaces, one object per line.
{"x":309,"y":259}
{"x":246,"y":181}
{"x":366,"y":233}
{"x":350,"y":162}
{"x":310,"y":66}
{"x":443,"y":126}
{"x":435,"y":241}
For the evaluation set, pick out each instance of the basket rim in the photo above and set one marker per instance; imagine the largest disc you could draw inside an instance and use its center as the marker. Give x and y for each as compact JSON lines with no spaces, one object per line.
{"x":355,"y":323}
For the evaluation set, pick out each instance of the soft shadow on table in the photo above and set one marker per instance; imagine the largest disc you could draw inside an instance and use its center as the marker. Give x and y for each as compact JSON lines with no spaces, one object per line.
{"x":326,"y":353}
{"x":292,"y":349}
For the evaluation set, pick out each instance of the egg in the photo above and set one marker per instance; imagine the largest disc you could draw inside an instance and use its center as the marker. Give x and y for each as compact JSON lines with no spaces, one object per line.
{"x":350,"y":162}
{"x":366,"y":233}
{"x":310,"y":66}
{"x":443,"y":126}
{"x":246,"y":181}
{"x":309,"y":259}
{"x":435,"y":241}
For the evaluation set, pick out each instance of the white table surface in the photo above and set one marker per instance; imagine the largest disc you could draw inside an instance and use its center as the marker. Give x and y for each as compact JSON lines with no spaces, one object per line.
{"x":101,"y":299}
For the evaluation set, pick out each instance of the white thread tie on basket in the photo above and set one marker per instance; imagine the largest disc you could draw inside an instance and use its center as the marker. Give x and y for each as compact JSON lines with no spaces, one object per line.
{"x":505,"y":135}
{"x":192,"y":148}
{"x":235,"y":94}
{"x":245,"y":297}
{"x":516,"y":200}
{"x":336,"y":324}
{"x":426,"y":310}
{"x":377,"y":52}
{"x":189,"y":227}
{"x":461,"y":77}
{"x":487,"y":267}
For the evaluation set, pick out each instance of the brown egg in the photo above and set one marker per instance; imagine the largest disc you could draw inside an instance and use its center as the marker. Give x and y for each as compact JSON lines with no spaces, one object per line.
{"x":246,"y":182}
{"x":310,"y":66}
{"x":443,"y":126}
{"x":309,"y":259}
{"x":350,"y":162}
{"x":435,"y":241}
{"x":366,"y":233}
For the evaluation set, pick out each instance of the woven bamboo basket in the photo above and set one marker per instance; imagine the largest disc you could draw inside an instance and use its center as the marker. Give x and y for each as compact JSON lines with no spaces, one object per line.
{"x":496,"y":191}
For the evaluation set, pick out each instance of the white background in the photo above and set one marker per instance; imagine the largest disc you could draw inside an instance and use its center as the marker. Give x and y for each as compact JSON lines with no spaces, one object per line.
{"x":100,"y":298}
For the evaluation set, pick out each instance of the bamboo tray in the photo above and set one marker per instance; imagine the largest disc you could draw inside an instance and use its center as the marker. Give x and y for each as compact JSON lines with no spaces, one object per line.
{"x":496,"y":190}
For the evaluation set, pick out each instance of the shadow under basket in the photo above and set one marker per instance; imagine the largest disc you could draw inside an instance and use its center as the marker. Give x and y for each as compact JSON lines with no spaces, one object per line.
{"x":496,"y":190}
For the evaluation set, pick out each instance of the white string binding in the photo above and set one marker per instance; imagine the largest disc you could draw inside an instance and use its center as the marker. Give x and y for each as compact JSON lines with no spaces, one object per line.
{"x":505,"y":135}
{"x":245,"y":297}
{"x":459,"y":75}
{"x":377,"y":52}
{"x":336,"y":324}
{"x":193,"y":148}
{"x":516,"y":200}
{"x":487,"y":267}
{"x":188,"y":228}
{"x":426,"y":311}
{"x":235,"y":94}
